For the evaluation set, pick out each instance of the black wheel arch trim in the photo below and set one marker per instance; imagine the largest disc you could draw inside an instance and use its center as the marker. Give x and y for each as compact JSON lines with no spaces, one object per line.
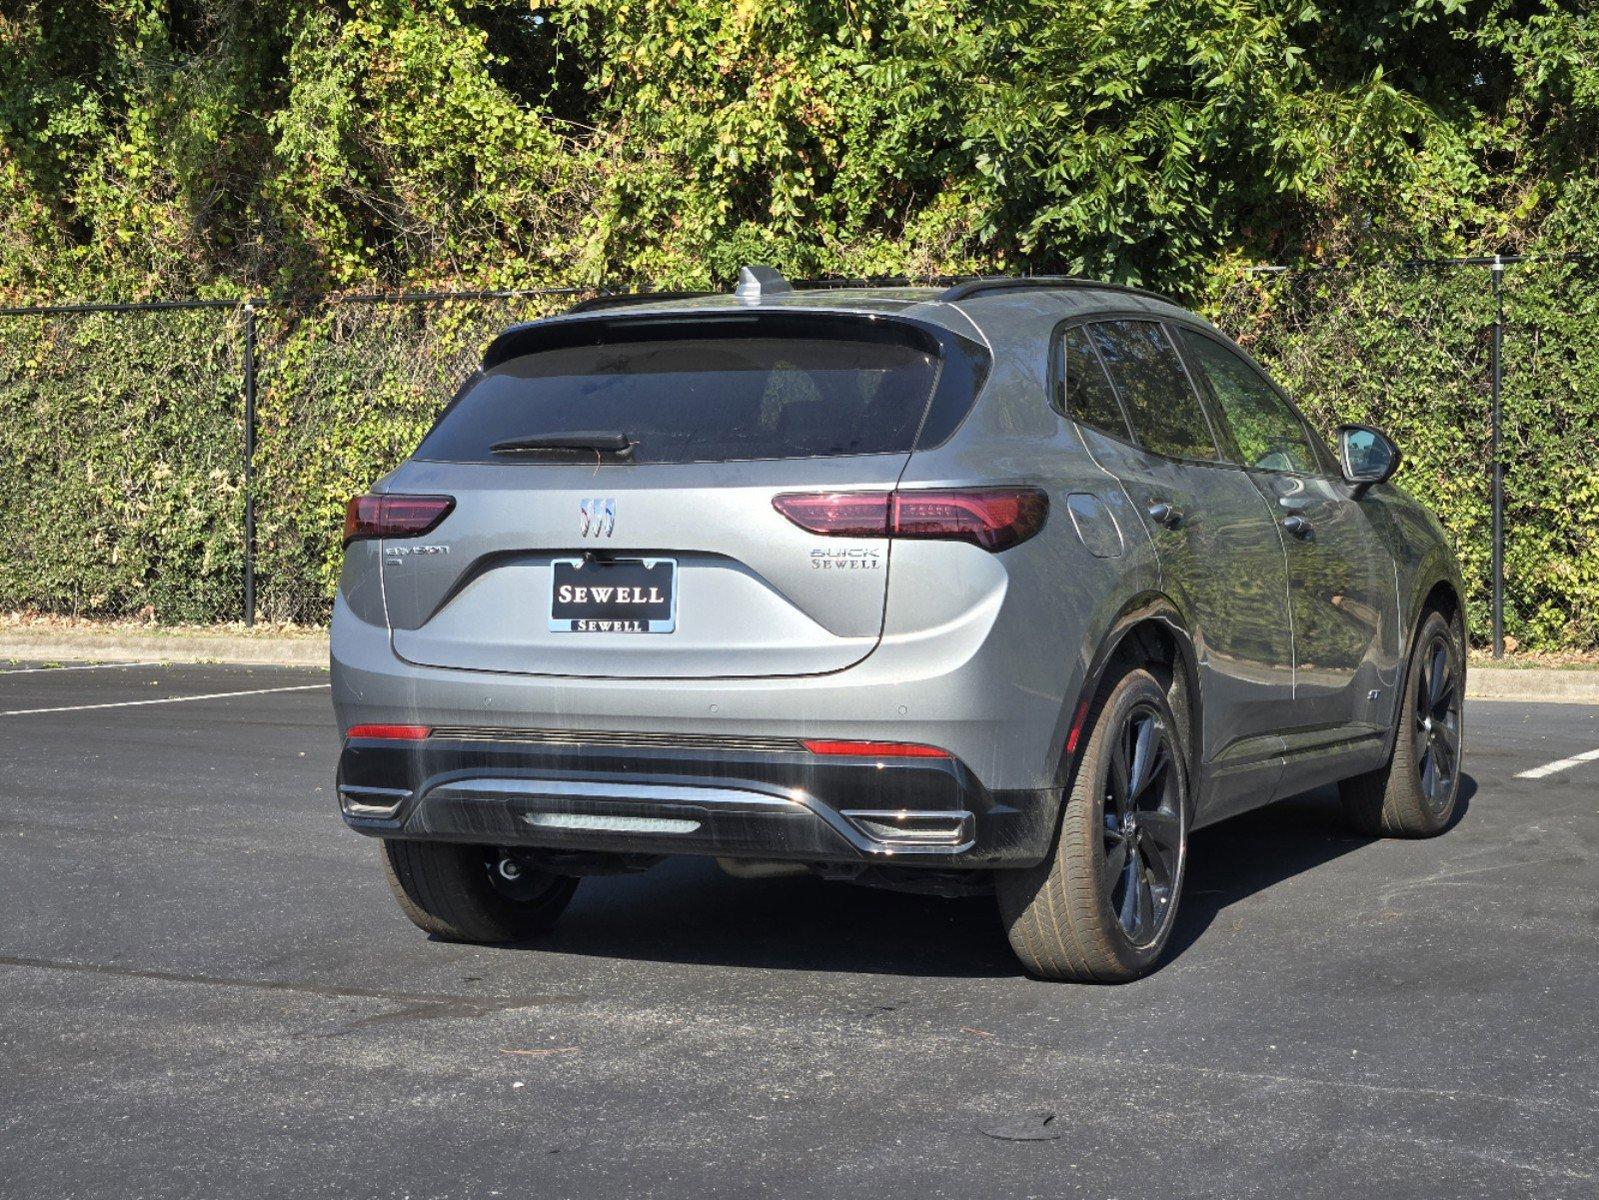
{"x":1437,"y":570}
{"x":1099,"y":652}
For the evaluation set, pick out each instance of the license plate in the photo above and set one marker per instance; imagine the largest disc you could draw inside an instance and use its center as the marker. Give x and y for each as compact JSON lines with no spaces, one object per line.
{"x":619,"y":595}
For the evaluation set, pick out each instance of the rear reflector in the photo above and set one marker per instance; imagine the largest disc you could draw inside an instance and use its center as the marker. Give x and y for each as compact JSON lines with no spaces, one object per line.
{"x":391,"y":516}
{"x":389,"y":733}
{"x":876,"y":749}
{"x":993,"y":518}
{"x":1077,"y":727}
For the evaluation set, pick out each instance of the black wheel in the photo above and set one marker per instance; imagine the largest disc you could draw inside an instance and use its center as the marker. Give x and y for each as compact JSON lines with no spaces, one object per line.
{"x":1101,"y":908}
{"x":473,"y":893}
{"x":1415,"y":794}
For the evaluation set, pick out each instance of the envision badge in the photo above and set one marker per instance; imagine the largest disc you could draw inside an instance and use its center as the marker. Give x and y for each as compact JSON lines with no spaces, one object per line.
{"x":597,"y":517}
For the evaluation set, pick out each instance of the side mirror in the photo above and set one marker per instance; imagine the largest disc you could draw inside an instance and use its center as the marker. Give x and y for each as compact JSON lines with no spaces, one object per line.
{"x":1367,"y":456}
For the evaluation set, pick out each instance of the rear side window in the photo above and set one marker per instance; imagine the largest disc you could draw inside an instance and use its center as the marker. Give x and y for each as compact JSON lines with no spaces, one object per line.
{"x":710,"y":393}
{"x":1270,"y":435}
{"x":1160,"y":402}
{"x":1089,"y":396}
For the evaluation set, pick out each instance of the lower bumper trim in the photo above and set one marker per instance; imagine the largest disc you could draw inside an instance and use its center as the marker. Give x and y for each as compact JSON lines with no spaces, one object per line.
{"x":602,"y":799}
{"x":586,"y":805}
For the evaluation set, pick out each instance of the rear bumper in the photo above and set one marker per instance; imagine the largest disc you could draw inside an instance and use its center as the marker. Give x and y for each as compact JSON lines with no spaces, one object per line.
{"x":740,"y":798}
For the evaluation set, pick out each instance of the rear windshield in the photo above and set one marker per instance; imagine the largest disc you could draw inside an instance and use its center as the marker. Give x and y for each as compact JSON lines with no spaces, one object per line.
{"x":698,"y":396}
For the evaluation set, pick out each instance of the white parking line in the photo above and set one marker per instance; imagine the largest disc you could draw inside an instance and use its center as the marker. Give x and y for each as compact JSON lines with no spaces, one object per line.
{"x":27,"y":712}
{"x":85,"y":667}
{"x":1563,"y":764}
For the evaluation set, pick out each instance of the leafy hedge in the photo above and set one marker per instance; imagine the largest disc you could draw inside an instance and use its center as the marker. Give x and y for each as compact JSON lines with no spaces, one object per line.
{"x":1410,"y":350}
{"x":291,"y":148}
{"x":346,"y":392}
{"x":125,"y":434}
{"x":120,"y":451}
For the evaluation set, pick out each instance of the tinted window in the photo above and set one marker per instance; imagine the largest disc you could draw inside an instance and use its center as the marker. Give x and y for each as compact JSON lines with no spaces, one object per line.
{"x":1089,"y":397}
{"x":1154,"y":389}
{"x":707,"y":396}
{"x":1270,"y":435}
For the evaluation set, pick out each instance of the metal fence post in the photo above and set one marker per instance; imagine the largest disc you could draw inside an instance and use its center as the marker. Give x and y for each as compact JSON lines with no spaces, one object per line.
{"x":1498,"y":566}
{"x":249,"y":463}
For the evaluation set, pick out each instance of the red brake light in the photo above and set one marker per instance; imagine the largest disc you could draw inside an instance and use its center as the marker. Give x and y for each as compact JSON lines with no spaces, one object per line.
{"x":391,"y":516}
{"x":993,"y":518}
{"x":876,"y":749}
{"x":837,"y":514}
{"x":389,"y":733}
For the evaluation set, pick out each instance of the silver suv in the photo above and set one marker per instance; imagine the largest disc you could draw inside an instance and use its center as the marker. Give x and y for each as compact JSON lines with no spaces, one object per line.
{"x":1007,"y":586}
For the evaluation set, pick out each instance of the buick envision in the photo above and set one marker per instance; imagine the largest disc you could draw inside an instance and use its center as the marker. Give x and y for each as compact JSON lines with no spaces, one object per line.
{"x":1004,"y":586}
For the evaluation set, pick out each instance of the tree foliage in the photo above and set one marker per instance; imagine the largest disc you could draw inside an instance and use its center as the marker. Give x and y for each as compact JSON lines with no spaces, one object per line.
{"x":289,"y":145}
{"x":287,"y":148}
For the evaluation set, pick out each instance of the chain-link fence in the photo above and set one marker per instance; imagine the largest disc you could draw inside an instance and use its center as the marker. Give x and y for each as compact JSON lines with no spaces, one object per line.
{"x":1467,"y":364}
{"x":190,"y":461}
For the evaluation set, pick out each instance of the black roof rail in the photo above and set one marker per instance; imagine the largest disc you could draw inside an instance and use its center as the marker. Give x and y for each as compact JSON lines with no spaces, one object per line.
{"x":847,"y":283}
{"x":1009,"y":283}
{"x":624,"y":299}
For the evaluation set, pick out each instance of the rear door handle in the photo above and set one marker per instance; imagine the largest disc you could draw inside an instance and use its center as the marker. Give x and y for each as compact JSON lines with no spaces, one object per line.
{"x":1164,"y":514}
{"x":1298,"y":526}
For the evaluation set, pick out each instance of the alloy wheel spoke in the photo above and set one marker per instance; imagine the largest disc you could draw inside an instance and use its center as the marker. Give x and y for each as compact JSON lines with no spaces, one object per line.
{"x":1449,"y":736}
{"x":1161,"y":826}
{"x":1115,"y":864}
{"x":1438,"y":675}
{"x":1146,"y":904}
{"x":1443,"y":757}
{"x":1129,"y":907}
{"x":1155,"y":775}
{"x":1118,"y":780}
{"x":1446,"y":702}
{"x":1142,"y":749}
{"x":1160,"y":861}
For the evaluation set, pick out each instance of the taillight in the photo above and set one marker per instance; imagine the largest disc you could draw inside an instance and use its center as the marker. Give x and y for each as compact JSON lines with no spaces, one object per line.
{"x":837,"y":514}
{"x":875,"y":749}
{"x":389,"y":733}
{"x":392,"y":516}
{"x":993,"y":518}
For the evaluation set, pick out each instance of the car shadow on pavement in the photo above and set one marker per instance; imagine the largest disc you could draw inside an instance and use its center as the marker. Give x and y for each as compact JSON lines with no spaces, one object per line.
{"x":1237,"y":858}
{"x":687,"y":911}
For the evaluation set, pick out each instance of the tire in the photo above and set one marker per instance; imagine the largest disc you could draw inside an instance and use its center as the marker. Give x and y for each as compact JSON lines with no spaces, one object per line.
{"x":1417,"y":792}
{"x":462,"y":894}
{"x":1067,"y":918}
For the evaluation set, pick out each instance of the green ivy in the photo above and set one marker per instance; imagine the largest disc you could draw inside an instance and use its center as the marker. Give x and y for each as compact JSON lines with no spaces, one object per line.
{"x":287,"y":148}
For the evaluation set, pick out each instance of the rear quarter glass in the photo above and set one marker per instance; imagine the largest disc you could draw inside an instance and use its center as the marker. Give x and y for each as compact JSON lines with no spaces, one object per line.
{"x":711,"y":390}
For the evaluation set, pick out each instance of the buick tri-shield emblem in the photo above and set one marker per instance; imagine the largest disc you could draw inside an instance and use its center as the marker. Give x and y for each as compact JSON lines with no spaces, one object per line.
{"x":597,"y":518}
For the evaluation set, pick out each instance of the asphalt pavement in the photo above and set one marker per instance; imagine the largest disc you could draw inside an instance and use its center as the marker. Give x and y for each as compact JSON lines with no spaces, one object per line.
{"x":207,"y":991}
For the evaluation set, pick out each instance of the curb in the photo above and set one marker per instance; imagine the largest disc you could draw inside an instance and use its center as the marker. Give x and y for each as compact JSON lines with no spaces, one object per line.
{"x":1574,"y":686}
{"x":87,"y":645}
{"x":1577,"y":685}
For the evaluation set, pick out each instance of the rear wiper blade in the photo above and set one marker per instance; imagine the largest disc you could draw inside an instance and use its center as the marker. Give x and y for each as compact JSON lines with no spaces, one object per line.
{"x":616,"y":444}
